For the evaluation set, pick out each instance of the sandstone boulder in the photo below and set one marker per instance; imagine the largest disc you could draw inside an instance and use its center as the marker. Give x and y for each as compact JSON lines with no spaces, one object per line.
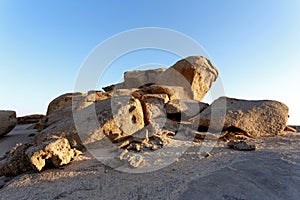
{"x":253,"y":118}
{"x":56,"y":150}
{"x":8,"y":121}
{"x":61,"y":102}
{"x":137,"y":78}
{"x":195,"y":73}
{"x":27,"y":157}
{"x":173,"y":92}
{"x":115,"y":118}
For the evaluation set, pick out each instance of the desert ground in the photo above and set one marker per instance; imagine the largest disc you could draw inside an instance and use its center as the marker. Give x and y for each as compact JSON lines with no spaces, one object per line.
{"x":272,"y":171}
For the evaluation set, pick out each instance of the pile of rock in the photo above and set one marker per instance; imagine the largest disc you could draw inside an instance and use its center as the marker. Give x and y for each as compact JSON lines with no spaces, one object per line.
{"x":145,"y":112}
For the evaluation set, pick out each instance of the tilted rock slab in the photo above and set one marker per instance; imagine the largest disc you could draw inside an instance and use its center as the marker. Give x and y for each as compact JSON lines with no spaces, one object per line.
{"x":8,"y":121}
{"x":137,"y":78}
{"x":254,"y":118}
{"x":195,"y":74}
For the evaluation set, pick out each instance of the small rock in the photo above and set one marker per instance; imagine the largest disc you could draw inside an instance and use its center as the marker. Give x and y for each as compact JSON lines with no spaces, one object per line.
{"x":241,"y":145}
{"x":205,"y":154}
{"x":135,"y":160}
{"x":290,"y":129}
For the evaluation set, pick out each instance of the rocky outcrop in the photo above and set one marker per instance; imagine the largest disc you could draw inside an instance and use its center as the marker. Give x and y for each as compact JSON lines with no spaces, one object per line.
{"x":148,"y":111}
{"x":8,"y":121}
{"x":253,"y":118}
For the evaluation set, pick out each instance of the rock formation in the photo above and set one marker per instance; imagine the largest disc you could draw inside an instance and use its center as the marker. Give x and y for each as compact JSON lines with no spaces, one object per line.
{"x":146,"y":112}
{"x":8,"y":121}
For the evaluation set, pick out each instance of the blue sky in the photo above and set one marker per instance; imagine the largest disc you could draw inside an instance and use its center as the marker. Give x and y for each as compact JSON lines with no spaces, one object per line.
{"x":255,"y":44}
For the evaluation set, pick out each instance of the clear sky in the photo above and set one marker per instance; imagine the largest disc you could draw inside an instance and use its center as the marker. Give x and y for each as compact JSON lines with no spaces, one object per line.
{"x":255,"y":44}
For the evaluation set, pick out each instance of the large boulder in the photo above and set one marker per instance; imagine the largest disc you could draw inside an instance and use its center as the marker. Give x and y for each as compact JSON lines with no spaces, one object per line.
{"x":116,"y":118}
{"x":56,"y":150}
{"x":195,"y":73}
{"x":61,"y":102}
{"x":253,"y":118}
{"x":8,"y":121}
{"x":137,"y":78}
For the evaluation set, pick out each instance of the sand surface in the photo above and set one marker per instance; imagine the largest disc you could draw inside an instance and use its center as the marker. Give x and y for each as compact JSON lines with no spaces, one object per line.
{"x":270,"y":172}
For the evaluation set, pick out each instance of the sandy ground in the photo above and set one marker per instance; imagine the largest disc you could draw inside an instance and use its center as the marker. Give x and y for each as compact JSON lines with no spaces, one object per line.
{"x":270,"y":172}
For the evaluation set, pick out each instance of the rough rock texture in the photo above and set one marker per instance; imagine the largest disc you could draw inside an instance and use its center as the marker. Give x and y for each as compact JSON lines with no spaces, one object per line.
{"x":254,"y":118}
{"x":61,"y":102}
{"x":30,"y":119}
{"x":8,"y":121}
{"x":118,"y":117}
{"x":241,"y":145}
{"x":15,"y":161}
{"x":184,"y":109}
{"x":197,"y":71}
{"x":153,"y":107}
{"x":56,"y":150}
{"x":26,"y":157}
{"x":137,"y":78}
{"x":173,"y":92}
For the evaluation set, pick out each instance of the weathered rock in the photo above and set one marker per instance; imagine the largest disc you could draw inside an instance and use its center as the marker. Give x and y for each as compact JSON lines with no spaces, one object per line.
{"x":62,"y":102}
{"x":154,"y":113}
{"x":116,"y":118}
{"x":15,"y":162}
{"x":183,"y":109}
{"x":241,"y":145}
{"x":195,"y":73}
{"x":94,"y":96}
{"x":253,"y":118}
{"x":137,"y":78}
{"x":8,"y":121}
{"x":30,"y":119}
{"x":57,"y":150}
{"x":173,"y":92}
{"x":54,"y":117}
